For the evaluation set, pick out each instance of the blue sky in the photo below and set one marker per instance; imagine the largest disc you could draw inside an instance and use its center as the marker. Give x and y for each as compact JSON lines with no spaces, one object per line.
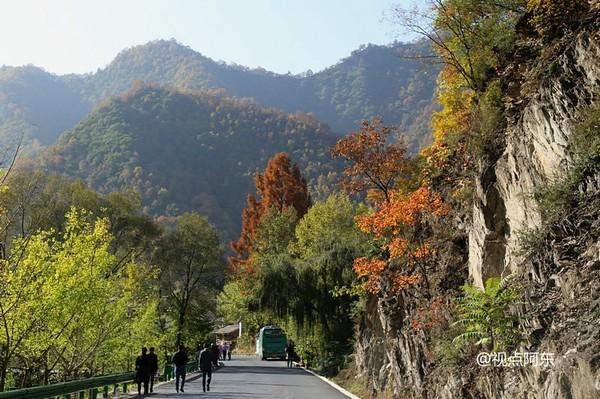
{"x":75,"y":36}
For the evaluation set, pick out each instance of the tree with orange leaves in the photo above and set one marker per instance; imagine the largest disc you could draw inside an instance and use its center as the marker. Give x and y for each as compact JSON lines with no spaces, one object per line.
{"x":280,"y":186}
{"x":375,"y":164}
{"x":243,"y":247}
{"x":400,"y":224}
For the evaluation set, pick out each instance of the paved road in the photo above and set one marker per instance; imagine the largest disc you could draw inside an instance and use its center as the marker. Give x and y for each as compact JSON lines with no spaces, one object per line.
{"x":250,"y":378}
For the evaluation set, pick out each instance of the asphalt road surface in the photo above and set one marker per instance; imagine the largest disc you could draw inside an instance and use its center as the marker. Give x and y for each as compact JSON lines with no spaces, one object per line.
{"x":247,"y":377}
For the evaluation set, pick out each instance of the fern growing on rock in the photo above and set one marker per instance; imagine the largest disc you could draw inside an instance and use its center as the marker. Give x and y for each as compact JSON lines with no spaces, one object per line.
{"x":485,"y":315}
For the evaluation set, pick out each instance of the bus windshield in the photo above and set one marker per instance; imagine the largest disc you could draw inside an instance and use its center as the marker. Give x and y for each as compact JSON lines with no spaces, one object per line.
{"x":273,"y":333}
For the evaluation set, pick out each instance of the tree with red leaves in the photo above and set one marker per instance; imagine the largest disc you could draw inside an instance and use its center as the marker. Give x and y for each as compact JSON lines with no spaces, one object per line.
{"x":280,"y":186}
{"x":374,"y":164}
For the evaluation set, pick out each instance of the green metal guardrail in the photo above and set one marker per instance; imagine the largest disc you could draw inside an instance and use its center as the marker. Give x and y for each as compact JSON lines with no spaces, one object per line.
{"x":87,"y":388}
{"x":170,"y":370}
{"x":90,"y":385}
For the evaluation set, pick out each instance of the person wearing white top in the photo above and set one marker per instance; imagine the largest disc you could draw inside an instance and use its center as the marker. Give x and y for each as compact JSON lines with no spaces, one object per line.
{"x":225,"y":350}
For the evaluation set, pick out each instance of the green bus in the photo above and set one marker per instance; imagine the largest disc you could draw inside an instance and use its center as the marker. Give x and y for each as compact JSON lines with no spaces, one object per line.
{"x":271,"y":343}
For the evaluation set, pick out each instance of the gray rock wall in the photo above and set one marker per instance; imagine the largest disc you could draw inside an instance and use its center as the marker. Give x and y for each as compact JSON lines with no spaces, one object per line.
{"x":535,"y":150}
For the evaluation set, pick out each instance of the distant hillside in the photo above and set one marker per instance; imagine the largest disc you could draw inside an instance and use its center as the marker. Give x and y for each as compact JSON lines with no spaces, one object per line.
{"x":372,"y":81}
{"x":184,"y":151}
{"x":36,"y":105}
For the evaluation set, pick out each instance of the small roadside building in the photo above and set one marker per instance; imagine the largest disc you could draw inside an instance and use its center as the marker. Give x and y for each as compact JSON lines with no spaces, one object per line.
{"x":228,"y":333}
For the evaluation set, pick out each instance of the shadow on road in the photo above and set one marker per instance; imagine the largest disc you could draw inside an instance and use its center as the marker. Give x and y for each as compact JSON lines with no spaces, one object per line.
{"x":207,"y":395}
{"x":252,"y":379}
{"x":261,"y":370}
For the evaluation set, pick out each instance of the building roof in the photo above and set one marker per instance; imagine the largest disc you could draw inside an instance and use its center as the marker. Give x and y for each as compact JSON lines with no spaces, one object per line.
{"x":228,"y":329}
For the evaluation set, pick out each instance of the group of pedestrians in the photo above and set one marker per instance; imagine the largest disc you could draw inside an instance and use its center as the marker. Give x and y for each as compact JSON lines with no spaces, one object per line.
{"x":146,"y":367}
{"x":223,"y":350}
{"x":208,"y":356}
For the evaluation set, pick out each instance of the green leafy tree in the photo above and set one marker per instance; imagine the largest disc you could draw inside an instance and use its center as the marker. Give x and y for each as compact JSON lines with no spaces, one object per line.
{"x":139,"y":287}
{"x":24,"y":303}
{"x":300,"y":279}
{"x":191,"y":263}
{"x":237,"y":301}
{"x":234,"y":303}
{"x":326,"y":223}
{"x":275,"y":232}
{"x":36,"y":201}
{"x":60,"y":300}
{"x":470,"y":36}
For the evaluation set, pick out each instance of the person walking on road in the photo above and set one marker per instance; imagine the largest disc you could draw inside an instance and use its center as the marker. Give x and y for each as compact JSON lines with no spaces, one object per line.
{"x":180,"y":360}
{"x":205,"y":362}
{"x":142,"y":371}
{"x":231,"y":346}
{"x":291,"y":353}
{"x":152,"y":367}
{"x":215,"y":350}
{"x":225,"y":350}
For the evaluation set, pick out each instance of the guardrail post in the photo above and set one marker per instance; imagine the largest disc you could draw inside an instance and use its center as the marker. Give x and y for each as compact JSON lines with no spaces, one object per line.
{"x":94,"y":393}
{"x":125,"y":388}
{"x":105,"y":392}
{"x":81,"y":394}
{"x":116,"y":390}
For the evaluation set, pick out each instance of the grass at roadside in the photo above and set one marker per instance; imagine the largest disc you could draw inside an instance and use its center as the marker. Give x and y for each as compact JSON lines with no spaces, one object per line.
{"x":347,"y":379}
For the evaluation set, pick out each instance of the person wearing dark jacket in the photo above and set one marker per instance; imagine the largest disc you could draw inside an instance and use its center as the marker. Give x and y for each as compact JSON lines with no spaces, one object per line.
{"x":216,"y":352}
{"x":290,"y":351}
{"x":142,"y":371}
{"x":180,"y":359}
{"x":152,"y":367}
{"x":205,"y":362}
{"x":231,"y":348}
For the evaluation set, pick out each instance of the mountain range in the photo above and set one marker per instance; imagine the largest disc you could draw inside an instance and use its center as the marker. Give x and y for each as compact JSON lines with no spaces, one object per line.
{"x":188,"y":132}
{"x":373,"y":81}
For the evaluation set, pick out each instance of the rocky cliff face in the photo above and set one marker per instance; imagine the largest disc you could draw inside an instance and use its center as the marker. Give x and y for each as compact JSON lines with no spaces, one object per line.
{"x":535,"y":151}
{"x":563,"y":294}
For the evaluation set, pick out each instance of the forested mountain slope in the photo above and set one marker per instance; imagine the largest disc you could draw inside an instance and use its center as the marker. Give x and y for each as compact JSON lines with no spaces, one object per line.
{"x":372,"y":81}
{"x":187,"y":151}
{"x":36,"y":105}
